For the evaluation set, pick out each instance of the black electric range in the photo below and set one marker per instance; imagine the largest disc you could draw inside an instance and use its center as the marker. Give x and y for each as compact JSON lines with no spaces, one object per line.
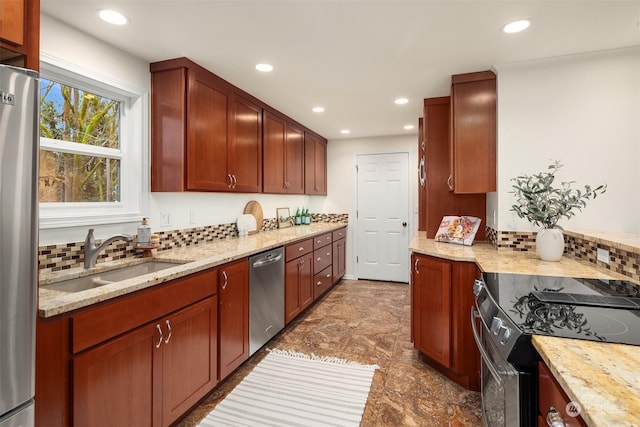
{"x":590,"y":309}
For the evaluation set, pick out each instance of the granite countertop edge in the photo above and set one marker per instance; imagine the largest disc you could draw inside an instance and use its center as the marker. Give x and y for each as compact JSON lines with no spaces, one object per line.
{"x":189,"y":260}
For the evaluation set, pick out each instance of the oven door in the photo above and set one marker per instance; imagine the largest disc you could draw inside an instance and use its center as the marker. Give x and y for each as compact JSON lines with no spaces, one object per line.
{"x":500,"y":386}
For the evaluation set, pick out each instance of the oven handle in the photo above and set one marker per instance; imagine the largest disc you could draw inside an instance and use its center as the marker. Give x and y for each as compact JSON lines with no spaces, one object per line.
{"x":483,"y":353}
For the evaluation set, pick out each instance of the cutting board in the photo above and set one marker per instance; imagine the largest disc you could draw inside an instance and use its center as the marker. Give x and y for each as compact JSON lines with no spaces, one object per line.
{"x":254,"y":208}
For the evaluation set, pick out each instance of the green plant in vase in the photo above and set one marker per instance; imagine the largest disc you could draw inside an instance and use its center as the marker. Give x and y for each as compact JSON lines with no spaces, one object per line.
{"x":543,"y":202}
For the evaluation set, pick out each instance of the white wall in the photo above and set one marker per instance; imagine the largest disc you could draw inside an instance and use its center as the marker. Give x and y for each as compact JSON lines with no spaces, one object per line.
{"x":341,"y":182}
{"x":583,"y":110}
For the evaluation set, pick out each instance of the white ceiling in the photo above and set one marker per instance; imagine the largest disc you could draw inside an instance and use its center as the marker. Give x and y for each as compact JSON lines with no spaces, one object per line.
{"x":352,"y":57}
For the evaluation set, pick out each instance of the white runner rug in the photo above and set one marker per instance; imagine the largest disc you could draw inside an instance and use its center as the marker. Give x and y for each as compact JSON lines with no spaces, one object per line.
{"x":294,"y":389}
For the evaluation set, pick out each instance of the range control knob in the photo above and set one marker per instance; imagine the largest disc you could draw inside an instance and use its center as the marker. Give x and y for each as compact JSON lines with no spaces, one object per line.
{"x":504,"y":334}
{"x":477,"y":287}
{"x":496,"y":324}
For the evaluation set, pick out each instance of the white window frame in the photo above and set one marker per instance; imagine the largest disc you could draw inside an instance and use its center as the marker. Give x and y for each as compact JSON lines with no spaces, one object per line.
{"x":134,"y":142}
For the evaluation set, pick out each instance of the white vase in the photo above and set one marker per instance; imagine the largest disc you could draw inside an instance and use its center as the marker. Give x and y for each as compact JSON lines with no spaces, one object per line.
{"x":550,"y":244}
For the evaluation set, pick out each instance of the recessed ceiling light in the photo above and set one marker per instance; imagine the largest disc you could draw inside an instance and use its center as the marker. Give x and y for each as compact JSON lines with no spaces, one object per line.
{"x":401,"y":101}
{"x":409,"y":127}
{"x":516,"y":26}
{"x":318,"y":109}
{"x":112,"y":17}
{"x":265,"y":68}
{"x":345,"y":131}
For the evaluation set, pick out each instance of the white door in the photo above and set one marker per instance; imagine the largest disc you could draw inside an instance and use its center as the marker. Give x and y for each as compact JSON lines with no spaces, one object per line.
{"x":382,"y":232}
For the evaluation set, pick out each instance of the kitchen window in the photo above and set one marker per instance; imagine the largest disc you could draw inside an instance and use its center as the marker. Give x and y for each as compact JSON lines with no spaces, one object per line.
{"x":91,"y":143}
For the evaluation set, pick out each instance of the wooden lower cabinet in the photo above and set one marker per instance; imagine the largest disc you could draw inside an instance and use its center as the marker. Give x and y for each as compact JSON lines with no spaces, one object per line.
{"x":149,"y":376}
{"x":141,"y":359}
{"x":233,"y":294}
{"x":441,"y":300}
{"x":298,"y":286}
{"x":339,"y":259}
{"x":550,"y":394}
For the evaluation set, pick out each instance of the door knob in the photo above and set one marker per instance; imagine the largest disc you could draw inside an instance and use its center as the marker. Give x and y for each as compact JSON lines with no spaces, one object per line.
{"x":404,"y":224}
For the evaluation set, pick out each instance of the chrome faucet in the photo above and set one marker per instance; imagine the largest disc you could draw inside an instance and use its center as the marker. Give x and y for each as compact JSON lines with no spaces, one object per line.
{"x":91,"y":251}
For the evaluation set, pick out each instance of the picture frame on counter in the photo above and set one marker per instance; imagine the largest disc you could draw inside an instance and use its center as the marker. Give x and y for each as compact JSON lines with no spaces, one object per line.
{"x":284,"y":217}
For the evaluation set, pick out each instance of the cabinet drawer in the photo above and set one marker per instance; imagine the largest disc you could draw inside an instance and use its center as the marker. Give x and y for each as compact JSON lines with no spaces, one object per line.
{"x":321,"y":240}
{"x":97,"y":324}
{"x":340,"y":234}
{"x":322,"y":258}
{"x":298,"y":249}
{"x":322,"y":281}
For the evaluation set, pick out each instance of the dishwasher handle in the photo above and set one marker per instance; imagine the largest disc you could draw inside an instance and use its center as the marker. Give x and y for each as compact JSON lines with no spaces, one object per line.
{"x":267,"y":260}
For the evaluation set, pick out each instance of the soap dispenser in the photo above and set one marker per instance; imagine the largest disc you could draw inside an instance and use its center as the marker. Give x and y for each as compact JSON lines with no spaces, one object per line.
{"x":144,"y":233}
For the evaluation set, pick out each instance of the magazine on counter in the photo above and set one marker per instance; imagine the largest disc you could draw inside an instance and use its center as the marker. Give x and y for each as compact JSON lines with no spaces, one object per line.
{"x":458,"y":229}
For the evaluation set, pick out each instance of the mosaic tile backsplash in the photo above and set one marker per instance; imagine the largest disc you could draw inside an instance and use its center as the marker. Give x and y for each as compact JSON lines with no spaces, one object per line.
{"x":69,"y":255}
{"x":620,"y":260}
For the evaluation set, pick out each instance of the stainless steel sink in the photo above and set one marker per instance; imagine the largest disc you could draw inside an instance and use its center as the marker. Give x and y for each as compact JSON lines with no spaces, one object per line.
{"x":84,"y":283}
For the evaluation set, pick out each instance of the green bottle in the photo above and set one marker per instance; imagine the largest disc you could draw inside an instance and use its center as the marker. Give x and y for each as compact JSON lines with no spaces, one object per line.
{"x":298,"y":217}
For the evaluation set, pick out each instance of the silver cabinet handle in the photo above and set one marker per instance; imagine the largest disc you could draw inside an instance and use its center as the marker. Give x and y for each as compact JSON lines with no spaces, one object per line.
{"x":159,"y":343}
{"x":422,"y":173}
{"x":226,"y":280}
{"x":230,"y":180}
{"x":302,"y":261}
{"x":415,"y":266}
{"x":554,"y":419}
{"x":328,"y":276}
{"x":319,"y":259}
{"x":235,"y":180}
{"x":450,"y":182}
{"x":166,"y":340}
{"x":319,"y":283}
{"x":301,"y":248}
{"x":328,"y":253}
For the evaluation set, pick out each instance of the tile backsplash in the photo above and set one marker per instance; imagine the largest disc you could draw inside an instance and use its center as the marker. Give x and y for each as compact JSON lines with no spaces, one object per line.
{"x":69,"y":255}
{"x":622,"y":260}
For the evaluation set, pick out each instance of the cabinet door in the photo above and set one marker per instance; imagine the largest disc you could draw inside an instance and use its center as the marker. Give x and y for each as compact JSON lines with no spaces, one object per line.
{"x":273,"y":154}
{"x":245,"y":153}
{"x":292,"y":289}
{"x":438,"y":199}
{"x":233,"y":312}
{"x":189,"y":357}
{"x":207,"y":135}
{"x":473,"y":139}
{"x":432,"y":308}
{"x":294,"y":159}
{"x":315,"y":164}
{"x":115,"y":384}
{"x":12,"y":21}
{"x":298,"y":286}
{"x":339,"y":259}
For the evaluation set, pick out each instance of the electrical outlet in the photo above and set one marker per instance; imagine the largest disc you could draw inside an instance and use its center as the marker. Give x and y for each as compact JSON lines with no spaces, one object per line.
{"x":603,"y":255}
{"x":192,"y":217}
{"x":165,"y":219}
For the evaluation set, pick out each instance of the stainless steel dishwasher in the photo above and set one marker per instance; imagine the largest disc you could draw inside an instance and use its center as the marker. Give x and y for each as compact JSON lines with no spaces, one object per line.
{"x":266,"y":297}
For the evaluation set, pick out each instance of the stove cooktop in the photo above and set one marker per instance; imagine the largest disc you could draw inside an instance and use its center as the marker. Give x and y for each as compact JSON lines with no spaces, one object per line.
{"x":591,"y":309}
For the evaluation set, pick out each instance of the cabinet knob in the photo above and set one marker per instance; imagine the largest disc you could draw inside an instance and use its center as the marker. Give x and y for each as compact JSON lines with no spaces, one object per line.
{"x":319,"y":259}
{"x":319,"y":283}
{"x":301,"y":248}
{"x":554,"y":419}
{"x":328,"y":253}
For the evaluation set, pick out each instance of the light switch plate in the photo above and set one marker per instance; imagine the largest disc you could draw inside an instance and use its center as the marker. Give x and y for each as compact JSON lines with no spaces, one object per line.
{"x":603,"y":255}
{"x":165,"y":219}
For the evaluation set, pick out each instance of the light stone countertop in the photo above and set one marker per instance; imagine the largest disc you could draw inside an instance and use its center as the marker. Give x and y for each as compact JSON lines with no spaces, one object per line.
{"x":190,"y":259}
{"x":604,"y":378}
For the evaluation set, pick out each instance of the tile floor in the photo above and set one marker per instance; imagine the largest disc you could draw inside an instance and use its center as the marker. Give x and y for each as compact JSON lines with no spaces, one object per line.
{"x":368,"y":322}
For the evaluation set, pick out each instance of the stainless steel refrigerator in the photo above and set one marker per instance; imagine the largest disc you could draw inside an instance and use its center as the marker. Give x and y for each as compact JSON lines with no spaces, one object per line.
{"x":19,"y":136}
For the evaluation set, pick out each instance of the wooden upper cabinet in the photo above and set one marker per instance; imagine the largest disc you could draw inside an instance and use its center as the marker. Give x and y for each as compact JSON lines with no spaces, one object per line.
{"x":20,"y":33}
{"x":283,"y":156}
{"x":12,"y":20}
{"x":315,"y":164}
{"x":245,"y":154}
{"x":473,"y":133}
{"x":206,"y":135}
